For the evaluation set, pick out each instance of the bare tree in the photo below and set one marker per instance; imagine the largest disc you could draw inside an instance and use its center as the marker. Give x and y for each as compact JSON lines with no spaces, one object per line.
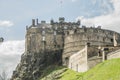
{"x":3,"y":76}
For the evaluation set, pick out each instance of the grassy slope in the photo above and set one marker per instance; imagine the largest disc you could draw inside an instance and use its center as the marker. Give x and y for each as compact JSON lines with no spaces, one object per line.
{"x":108,"y":70}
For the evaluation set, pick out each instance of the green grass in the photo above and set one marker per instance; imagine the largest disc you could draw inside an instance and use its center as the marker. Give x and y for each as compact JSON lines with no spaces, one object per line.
{"x":49,"y":70}
{"x":108,"y":70}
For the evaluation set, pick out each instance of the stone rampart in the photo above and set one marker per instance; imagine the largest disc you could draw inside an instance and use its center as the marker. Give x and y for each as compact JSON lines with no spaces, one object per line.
{"x":78,"y":61}
{"x":38,"y":39}
{"x":75,"y":39}
{"x":114,"y":54}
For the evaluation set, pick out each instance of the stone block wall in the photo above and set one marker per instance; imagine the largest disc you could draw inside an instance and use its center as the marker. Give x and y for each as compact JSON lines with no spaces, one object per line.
{"x":75,"y":39}
{"x":78,"y":61}
{"x":93,"y":61}
{"x":114,"y":54}
{"x":35,"y":42}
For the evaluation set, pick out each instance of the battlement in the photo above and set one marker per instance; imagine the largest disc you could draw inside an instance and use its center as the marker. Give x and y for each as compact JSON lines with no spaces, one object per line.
{"x":60,"y":25}
{"x":65,"y":33}
{"x":66,"y":36}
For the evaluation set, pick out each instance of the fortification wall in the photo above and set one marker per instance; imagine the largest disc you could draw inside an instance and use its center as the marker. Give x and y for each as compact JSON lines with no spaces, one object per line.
{"x":75,"y":39}
{"x":94,"y":35}
{"x":33,"y":38}
{"x":115,"y":54}
{"x":94,"y":56}
{"x":94,"y":61}
{"x":38,"y":39}
{"x":78,"y":61}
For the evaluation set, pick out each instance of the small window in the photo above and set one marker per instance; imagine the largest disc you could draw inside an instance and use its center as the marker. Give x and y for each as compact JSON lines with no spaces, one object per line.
{"x":106,"y":49}
{"x":43,"y":38}
{"x":97,"y":37}
{"x":88,"y":44}
{"x":43,"y":32}
{"x":103,"y":39}
{"x":67,"y":33}
{"x":55,"y":46}
{"x":66,"y":58}
{"x":75,"y":31}
{"x":111,"y":40}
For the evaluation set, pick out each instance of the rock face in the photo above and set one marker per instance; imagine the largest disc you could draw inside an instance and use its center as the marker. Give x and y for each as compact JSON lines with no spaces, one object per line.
{"x":32,"y":65}
{"x":55,"y":43}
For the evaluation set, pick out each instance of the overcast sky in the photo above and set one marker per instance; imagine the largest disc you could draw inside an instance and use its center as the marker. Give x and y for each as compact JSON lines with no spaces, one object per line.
{"x":16,"y":14}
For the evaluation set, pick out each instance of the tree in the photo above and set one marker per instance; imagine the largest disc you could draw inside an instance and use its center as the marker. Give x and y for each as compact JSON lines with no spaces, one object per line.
{"x":3,"y":76}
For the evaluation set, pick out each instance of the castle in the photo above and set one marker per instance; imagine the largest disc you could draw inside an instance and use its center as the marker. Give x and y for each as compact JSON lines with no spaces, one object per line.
{"x":65,"y":43}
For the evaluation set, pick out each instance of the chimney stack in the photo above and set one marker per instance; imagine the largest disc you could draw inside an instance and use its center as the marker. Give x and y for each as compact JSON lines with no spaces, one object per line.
{"x":61,"y":19}
{"x":37,"y":21}
{"x":33,"y":22}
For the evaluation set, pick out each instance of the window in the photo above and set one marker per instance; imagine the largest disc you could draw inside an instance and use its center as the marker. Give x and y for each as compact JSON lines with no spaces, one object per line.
{"x":111,"y":40}
{"x":66,"y":60}
{"x":103,"y":39}
{"x":55,"y":33}
{"x":43,"y":32}
{"x":43,"y":38}
{"x":75,"y":31}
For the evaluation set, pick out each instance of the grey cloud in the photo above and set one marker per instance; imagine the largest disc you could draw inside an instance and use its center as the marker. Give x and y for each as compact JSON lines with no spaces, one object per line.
{"x":10,"y":54}
{"x":6,"y":23}
{"x":109,"y":21}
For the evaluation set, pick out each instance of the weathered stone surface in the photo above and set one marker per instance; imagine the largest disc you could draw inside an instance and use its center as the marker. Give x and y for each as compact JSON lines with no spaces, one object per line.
{"x":114,"y":54}
{"x":32,"y":65}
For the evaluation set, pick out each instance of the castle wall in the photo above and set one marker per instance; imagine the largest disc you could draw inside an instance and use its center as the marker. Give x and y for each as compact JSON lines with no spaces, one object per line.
{"x":94,"y":61}
{"x":75,"y":39}
{"x":115,"y":54}
{"x":94,"y":56}
{"x":89,"y":35}
{"x":78,"y":61}
{"x":33,"y":40}
{"x":37,"y":41}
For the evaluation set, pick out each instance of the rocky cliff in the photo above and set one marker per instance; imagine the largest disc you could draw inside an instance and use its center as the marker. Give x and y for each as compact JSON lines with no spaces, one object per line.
{"x":32,"y":64}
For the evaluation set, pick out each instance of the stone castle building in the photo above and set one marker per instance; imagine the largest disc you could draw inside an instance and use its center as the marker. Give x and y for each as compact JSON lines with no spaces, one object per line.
{"x":67,"y":44}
